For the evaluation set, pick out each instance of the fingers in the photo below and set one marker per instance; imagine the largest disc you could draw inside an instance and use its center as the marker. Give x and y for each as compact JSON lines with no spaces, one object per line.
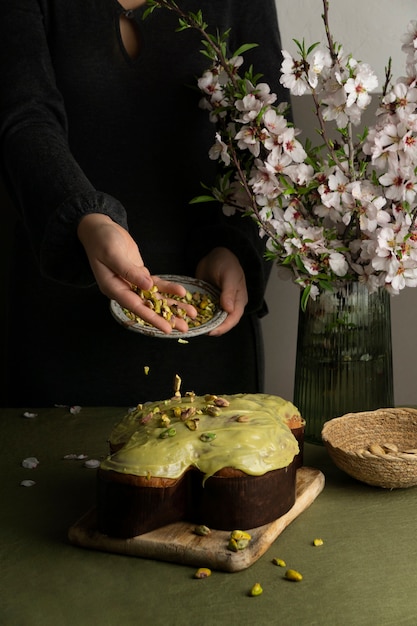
{"x":169,"y":287}
{"x":235,"y":308}
{"x":117,"y":265}
{"x":156,"y":308}
{"x":177,"y":312}
{"x":222,"y":268}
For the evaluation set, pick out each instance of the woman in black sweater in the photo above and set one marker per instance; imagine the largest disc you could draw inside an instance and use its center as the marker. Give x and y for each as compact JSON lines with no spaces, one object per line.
{"x":103,"y":145}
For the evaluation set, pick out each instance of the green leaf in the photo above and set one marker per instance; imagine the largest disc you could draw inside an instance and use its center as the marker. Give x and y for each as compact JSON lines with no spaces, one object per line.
{"x":312,"y":47}
{"x":244,"y":48}
{"x":198,"y":199}
{"x":304,"y":297}
{"x":148,"y":11}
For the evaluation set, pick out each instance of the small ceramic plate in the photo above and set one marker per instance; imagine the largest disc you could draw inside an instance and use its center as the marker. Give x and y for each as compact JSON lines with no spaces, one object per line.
{"x":191,"y":284}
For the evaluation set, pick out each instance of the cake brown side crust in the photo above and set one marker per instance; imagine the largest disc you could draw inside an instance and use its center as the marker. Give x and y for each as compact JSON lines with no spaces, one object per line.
{"x":244,"y":502}
{"x":130,"y":505}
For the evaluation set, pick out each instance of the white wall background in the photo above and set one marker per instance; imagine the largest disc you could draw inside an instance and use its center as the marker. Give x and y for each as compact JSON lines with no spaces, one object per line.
{"x":371,"y":30}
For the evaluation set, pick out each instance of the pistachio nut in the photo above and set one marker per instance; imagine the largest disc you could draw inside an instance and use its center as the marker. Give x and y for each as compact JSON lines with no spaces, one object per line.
{"x":202,"y":572}
{"x":256,"y":590}
{"x":293,"y":575}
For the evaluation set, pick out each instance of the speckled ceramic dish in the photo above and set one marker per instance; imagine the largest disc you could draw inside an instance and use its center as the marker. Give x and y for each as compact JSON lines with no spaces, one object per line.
{"x":191,"y":284}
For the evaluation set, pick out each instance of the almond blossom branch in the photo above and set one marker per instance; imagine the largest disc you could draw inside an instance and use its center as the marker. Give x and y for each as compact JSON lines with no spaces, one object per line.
{"x":341,"y":211}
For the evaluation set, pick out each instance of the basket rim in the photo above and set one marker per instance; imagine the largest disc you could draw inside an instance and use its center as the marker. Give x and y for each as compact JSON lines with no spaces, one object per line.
{"x":385,"y":412}
{"x":402,"y":412}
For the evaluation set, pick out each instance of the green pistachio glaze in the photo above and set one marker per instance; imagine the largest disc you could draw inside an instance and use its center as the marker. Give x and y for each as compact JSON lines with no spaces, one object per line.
{"x":251,"y":434}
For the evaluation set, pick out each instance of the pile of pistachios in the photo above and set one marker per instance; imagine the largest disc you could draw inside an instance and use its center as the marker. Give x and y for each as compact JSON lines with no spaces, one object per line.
{"x":158,"y":301}
{"x":384,"y":449}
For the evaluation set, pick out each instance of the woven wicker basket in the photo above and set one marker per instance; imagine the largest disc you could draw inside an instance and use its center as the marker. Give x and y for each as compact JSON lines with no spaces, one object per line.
{"x":354,"y":443}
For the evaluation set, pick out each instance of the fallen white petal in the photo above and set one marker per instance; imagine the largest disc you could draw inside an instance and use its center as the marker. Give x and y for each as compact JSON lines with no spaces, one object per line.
{"x":30,"y":463}
{"x":27,"y":483}
{"x":92,"y":463}
{"x":29,"y":415}
{"x":74,"y":410}
{"x":75,"y":457}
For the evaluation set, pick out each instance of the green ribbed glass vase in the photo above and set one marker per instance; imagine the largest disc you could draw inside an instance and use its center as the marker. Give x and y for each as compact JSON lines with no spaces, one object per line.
{"x":344,"y":356}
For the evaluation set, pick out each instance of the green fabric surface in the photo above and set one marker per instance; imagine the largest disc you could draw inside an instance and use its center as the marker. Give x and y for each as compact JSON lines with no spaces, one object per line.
{"x":365,"y":573}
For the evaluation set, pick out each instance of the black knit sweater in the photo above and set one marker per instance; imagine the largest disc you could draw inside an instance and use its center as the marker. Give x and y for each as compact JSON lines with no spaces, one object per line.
{"x":84,"y":128}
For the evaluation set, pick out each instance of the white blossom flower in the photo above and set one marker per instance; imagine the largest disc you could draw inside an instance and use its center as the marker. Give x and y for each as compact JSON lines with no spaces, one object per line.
{"x":275,"y":124}
{"x":400,"y":184}
{"x":292,"y":76}
{"x":292,"y":147}
{"x":219,"y":150}
{"x":338,"y":263}
{"x":249,"y":107}
{"x":409,"y":39}
{"x":346,"y":209}
{"x":358,"y":88}
{"x":320,"y":61}
{"x":248,"y":139}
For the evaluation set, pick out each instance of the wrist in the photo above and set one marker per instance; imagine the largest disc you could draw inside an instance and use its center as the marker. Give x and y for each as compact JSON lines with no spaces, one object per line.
{"x":90,"y":222}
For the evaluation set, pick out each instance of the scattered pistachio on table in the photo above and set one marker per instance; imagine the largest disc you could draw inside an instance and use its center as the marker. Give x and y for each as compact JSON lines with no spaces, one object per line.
{"x":279,"y":562}
{"x":256,"y":590}
{"x":318,"y":542}
{"x":293,"y":575}
{"x":202,"y":572}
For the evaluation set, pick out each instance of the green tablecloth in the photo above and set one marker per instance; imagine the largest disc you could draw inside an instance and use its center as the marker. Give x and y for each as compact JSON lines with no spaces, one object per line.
{"x":365,"y":573}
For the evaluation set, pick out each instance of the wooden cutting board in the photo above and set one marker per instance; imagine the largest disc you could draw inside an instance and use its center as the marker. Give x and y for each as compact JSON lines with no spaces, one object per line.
{"x":178,"y":543}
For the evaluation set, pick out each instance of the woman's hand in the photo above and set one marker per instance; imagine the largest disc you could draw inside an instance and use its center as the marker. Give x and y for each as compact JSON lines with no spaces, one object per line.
{"x":222,"y":268}
{"x":117,"y":264}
